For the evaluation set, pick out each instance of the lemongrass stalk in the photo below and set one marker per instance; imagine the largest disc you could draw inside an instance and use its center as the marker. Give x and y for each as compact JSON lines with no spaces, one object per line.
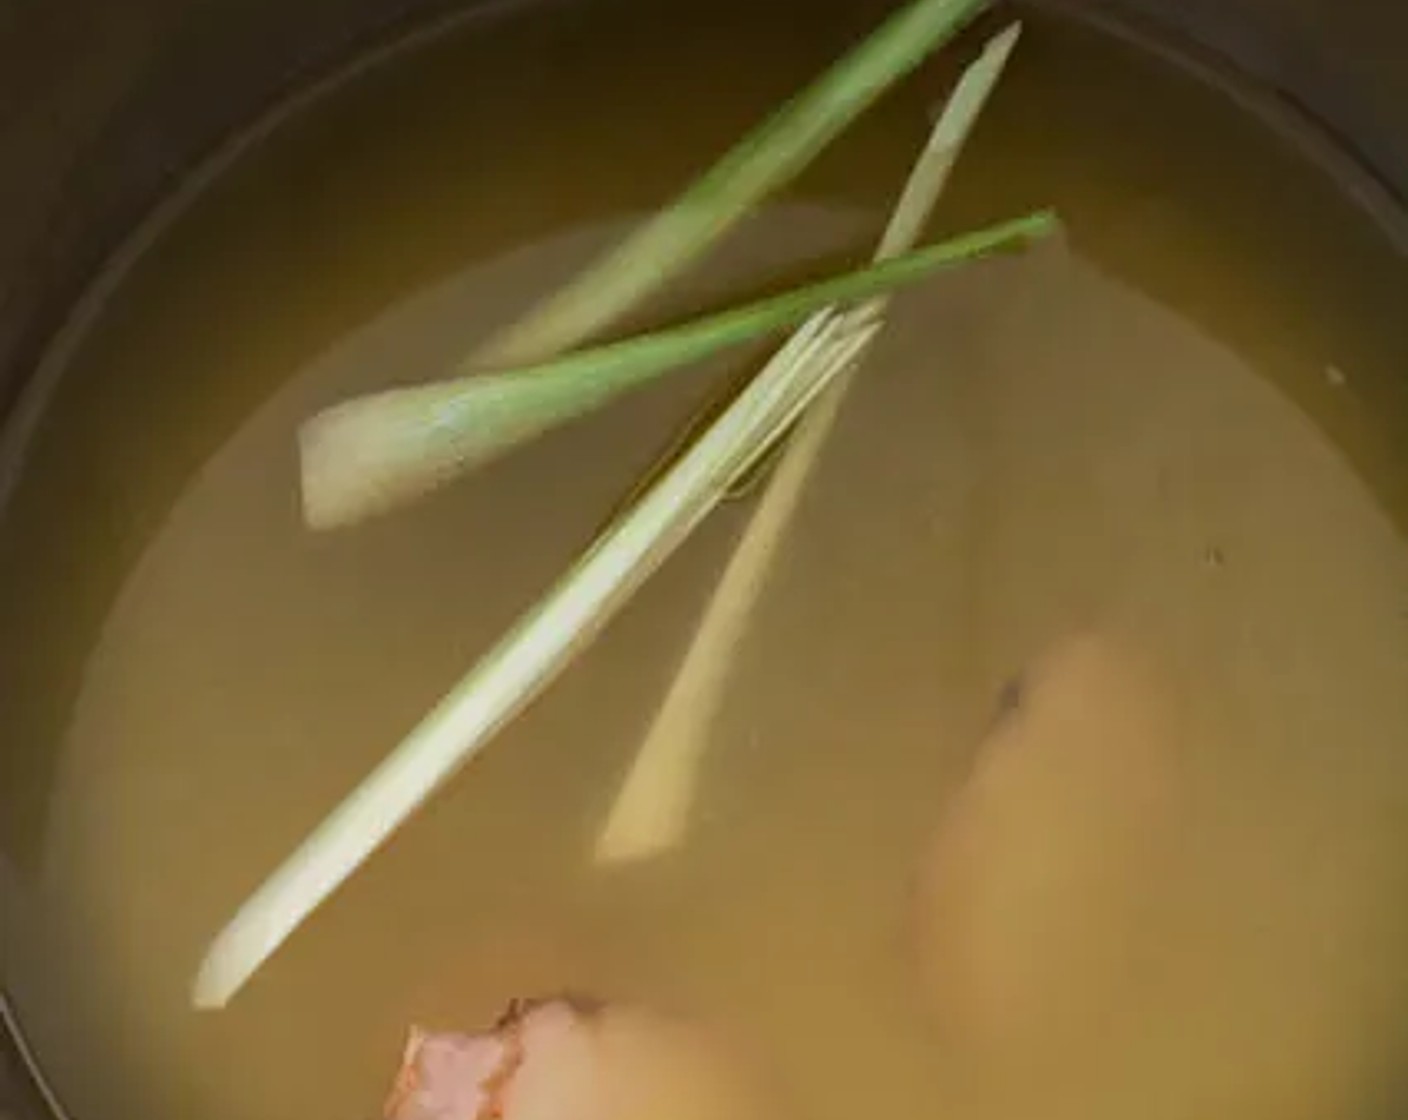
{"x":762,"y":163}
{"x":376,"y":450}
{"x":505,"y":680}
{"x":651,"y":811}
{"x":512,"y":673}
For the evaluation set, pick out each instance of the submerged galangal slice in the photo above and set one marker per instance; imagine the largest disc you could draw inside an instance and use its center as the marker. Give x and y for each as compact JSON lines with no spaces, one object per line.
{"x":1040,"y":898}
{"x":566,"y":1060}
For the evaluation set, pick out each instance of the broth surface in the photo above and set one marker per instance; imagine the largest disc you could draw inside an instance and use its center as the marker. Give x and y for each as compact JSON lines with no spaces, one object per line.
{"x":1178,"y":426}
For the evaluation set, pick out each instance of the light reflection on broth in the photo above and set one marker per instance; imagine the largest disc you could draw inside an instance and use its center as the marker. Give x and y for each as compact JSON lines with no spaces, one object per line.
{"x":1038,"y":449}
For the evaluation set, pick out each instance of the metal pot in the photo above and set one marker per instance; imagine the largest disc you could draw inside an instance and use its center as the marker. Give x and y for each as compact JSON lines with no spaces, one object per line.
{"x":105,"y":108}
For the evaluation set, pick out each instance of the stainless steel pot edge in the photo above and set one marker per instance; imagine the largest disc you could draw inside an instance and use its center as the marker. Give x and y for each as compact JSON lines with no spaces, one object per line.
{"x":1276,"y":105}
{"x":18,"y":1061}
{"x":33,"y":396}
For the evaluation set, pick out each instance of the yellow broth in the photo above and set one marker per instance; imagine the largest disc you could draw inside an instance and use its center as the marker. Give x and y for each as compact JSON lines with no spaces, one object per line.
{"x":1184,"y":425}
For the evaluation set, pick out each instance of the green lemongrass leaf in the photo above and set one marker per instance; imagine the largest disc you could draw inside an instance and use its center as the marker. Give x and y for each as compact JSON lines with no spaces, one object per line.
{"x":375,"y":452}
{"x":651,"y":810}
{"x":760,"y":164}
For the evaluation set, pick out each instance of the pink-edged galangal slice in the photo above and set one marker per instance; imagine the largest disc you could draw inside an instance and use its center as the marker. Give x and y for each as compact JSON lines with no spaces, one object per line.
{"x":566,"y":1060}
